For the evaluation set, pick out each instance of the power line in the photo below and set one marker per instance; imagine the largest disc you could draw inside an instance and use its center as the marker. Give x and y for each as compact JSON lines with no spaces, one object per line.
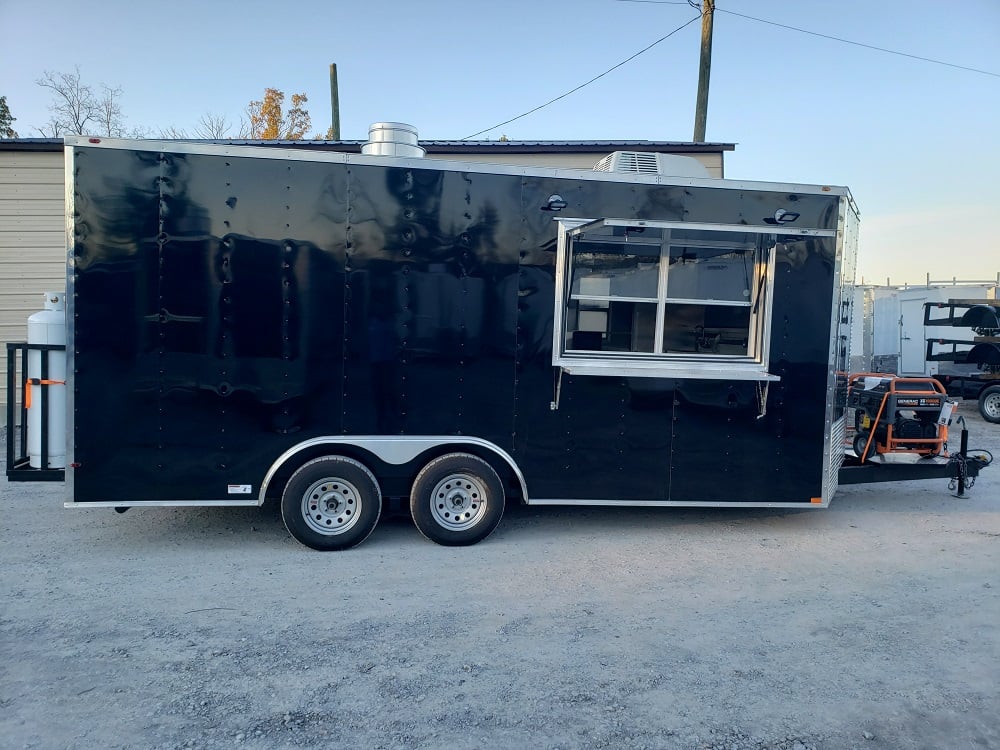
{"x":582,"y":85}
{"x":861,"y":44}
{"x":828,"y":36}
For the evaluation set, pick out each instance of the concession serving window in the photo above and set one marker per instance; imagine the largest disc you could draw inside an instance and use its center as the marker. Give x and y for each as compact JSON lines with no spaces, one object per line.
{"x":663,"y":299}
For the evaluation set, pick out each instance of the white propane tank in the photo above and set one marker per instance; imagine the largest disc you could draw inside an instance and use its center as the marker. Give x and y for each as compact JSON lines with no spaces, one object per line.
{"x":48,"y":326}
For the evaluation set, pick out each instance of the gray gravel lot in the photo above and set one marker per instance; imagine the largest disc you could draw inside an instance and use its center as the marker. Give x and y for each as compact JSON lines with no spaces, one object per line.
{"x":872,"y":624}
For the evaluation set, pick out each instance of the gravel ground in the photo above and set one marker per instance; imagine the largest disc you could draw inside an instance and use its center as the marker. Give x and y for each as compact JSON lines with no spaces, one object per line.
{"x":872,"y":624}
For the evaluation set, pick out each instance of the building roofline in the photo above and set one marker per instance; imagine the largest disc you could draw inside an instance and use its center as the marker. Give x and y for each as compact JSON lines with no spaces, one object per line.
{"x":31,"y":144}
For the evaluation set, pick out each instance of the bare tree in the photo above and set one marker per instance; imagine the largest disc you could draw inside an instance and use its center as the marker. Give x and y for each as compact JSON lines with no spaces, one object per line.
{"x":74,"y":107}
{"x":173,"y":133}
{"x":213,"y":126}
{"x":209,"y":126}
{"x":77,"y":110}
{"x":109,"y":113}
{"x":50,"y":130}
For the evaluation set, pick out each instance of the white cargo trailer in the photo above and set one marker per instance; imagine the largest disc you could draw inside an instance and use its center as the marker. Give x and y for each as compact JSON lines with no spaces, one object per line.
{"x":899,"y":336}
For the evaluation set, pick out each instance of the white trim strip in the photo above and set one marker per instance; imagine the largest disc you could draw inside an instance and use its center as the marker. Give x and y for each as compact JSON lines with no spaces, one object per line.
{"x":674,"y":503}
{"x":162,"y":503}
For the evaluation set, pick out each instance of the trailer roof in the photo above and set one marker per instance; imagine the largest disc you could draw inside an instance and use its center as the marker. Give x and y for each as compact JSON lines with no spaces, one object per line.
{"x":281,"y":149}
{"x":432,"y":146}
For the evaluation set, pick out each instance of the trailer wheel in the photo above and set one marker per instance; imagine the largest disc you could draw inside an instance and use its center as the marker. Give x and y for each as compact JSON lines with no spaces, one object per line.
{"x":331,"y":503}
{"x":989,"y":404}
{"x":457,"y":500}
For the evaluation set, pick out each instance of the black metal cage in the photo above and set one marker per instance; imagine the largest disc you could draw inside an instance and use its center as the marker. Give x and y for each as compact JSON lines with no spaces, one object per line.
{"x":19,"y":387}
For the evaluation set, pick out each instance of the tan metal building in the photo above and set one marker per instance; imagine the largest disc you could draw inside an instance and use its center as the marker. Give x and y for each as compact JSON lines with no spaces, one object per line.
{"x":32,"y":235}
{"x":32,"y":199}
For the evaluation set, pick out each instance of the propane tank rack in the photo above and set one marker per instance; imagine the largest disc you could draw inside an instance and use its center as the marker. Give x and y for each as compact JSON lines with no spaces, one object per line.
{"x":21,"y":391}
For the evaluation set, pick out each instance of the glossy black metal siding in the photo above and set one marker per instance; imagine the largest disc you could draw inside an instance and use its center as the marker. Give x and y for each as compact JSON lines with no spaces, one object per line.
{"x":230,"y":307}
{"x":681,"y":440}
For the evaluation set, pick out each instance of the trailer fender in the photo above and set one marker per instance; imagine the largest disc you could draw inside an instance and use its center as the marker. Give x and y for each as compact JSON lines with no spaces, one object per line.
{"x":982,"y":316}
{"x":984,"y":354}
{"x":391,"y":449}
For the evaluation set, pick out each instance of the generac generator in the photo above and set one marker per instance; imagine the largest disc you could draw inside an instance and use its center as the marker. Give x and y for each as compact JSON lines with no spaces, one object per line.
{"x":897,"y":415}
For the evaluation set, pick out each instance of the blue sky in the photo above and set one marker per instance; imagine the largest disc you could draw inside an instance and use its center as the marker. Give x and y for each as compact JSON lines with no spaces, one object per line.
{"x":916,"y":142}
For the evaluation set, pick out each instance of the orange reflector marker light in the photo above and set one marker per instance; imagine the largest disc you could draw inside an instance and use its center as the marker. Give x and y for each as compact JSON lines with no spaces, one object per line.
{"x":816,"y":500}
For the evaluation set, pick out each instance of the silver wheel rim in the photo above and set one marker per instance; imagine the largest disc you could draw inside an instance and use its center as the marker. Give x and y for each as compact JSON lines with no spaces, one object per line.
{"x":458,"y":501}
{"x":331,"y":506}
{"x":991,"y":405}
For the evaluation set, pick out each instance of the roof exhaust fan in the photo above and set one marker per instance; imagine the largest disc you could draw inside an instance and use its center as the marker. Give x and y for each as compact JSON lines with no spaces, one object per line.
{"x":392,"y":139}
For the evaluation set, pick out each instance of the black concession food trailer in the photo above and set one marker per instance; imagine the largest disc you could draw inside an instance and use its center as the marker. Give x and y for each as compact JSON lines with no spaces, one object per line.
{"x":336,"y":330}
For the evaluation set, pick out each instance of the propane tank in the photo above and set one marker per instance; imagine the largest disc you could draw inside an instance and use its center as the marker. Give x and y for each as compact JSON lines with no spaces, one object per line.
{"x":48,"y":326}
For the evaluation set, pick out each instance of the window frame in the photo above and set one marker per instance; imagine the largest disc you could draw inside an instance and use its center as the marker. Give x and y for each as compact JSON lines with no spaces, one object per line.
{"x":658,"y":363}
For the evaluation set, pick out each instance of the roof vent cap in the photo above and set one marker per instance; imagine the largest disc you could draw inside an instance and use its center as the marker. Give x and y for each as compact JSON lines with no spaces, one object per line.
{"x":392,"y":139}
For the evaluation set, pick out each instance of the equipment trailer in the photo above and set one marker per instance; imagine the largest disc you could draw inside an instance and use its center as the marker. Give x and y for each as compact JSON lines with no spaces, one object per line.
{"x":983,"y":351}
{"x":332,"y":331}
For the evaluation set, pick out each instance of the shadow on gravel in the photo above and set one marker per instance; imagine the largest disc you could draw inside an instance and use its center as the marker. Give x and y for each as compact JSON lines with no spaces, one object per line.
{"x":237,"y":527}
{"x":212,"y":527}
{"x":234,"y":527}
{"x":231,"y":528}
{"x":922,"y":496}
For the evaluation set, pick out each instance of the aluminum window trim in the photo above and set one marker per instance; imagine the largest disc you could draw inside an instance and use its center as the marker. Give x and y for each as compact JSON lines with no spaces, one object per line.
{"x":612,"y":298}
{"x":660,"y":363}
{"x":712,"y":227}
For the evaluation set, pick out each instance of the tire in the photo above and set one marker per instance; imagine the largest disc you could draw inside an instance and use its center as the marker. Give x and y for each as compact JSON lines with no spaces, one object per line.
{"x":860,"y":441}
{"x":331,"y":503}
{"x":457,"y":500}
{"x":989,"y":404}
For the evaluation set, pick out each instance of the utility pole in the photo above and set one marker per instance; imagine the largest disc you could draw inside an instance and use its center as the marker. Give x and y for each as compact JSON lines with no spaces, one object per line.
{"x":334,"y":103}
{"x":704,"y":70}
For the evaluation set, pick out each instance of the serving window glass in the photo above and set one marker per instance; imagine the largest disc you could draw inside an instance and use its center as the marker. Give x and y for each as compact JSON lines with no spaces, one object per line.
{"x":663,"y":298}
